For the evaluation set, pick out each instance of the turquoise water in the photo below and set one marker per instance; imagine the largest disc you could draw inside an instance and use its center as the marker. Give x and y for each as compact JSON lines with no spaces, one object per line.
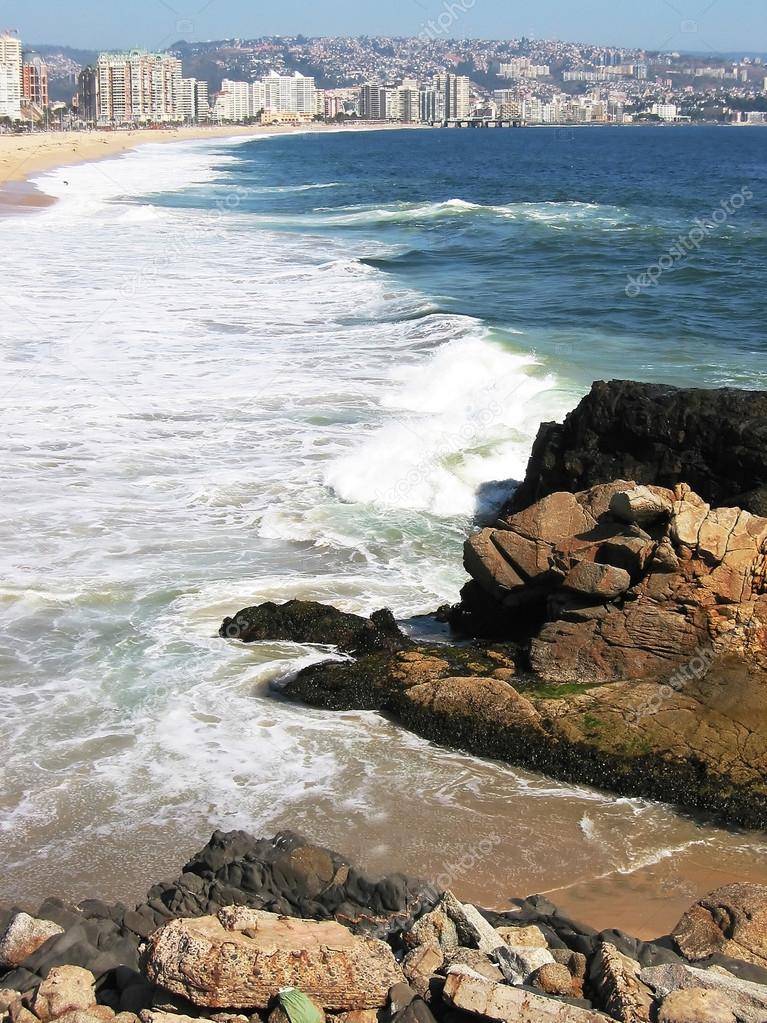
{"x":286,"y":368}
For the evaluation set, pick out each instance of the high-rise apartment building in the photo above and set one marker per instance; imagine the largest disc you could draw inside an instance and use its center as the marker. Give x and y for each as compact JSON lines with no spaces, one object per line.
{"x":187,"y":99}
{"x":136,"y":87}
{"x":289,"y":94}
{"x":372,"y":103}
{"x":10,"y":77}
{"x":34,"y":80}
{"x":453,"y":99}
{"x":202,"y":100}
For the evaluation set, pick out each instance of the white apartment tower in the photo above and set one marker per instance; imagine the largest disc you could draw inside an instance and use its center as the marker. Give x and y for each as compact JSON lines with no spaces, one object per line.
{"x":289,"y":94}
{"x":10,"y":77}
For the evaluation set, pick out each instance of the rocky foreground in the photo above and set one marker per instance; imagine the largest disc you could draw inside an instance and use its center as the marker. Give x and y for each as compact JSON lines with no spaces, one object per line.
{"x":613,"y":632}
{"x":281,"y":931}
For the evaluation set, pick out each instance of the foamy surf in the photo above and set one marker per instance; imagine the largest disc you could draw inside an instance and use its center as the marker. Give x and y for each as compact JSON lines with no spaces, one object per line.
{"x":211,"y":405}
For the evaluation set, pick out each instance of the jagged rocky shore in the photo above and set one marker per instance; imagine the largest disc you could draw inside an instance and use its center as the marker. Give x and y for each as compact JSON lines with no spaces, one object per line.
{"x":282,"y":931}
{"x":614,"y":627}
{"x":613,"y":631}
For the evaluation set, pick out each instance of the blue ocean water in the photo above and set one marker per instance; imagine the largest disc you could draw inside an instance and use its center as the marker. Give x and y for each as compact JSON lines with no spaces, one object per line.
{"x":542,"y":231}
{"x":240,"y":371}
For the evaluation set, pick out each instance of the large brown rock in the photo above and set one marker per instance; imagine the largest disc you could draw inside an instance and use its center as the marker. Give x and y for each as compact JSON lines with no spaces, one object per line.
{"x":731,"y":921}
{"x":241,"y":958}
{"x":746,"y":1000}
{"x":65,"y":989}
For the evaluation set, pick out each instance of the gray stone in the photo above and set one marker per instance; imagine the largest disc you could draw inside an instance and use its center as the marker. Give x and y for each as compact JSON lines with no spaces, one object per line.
{"x":481,"y":997}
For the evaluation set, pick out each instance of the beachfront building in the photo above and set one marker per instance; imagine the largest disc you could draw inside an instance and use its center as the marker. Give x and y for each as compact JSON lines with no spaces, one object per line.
{"x":372,"y":103}
{"x":136,"y":88}
{"x":289,"y":94}
{"x":238,"y":101}
{"x":202,"y":100}
{"x":453,"y":97}
{"x":187,"y":100}
{"x":275,"y":98}
{"x":34,"y":80}
{"x":10,"y":77}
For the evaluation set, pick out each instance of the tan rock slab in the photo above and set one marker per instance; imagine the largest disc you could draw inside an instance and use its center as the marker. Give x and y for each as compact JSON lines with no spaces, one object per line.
{"x":214,"y":967}
{"x":512,"y":1005}
{"x":696,"y":1006}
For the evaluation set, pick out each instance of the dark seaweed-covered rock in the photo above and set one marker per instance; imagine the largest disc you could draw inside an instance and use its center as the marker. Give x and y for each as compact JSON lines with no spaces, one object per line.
{"x":714,"y":440}
{"x":305,"y":621}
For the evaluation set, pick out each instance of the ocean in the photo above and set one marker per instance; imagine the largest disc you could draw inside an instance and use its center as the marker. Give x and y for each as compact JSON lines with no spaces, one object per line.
{"x":304,"y":366}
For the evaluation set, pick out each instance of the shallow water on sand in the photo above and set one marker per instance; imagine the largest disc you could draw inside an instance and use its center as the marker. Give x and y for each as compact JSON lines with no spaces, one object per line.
{"x":223,"y":384}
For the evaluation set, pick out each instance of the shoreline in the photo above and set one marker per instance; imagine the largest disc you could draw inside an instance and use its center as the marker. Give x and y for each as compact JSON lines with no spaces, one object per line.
{"x":240,"y":928}
{"x":24,"y":157}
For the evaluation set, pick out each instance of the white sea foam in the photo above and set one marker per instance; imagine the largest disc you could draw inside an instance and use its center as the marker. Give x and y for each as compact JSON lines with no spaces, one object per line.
{"x":201,"y":414}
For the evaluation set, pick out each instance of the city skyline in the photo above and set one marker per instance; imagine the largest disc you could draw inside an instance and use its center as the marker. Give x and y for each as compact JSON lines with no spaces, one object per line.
{"x":682,"y":25}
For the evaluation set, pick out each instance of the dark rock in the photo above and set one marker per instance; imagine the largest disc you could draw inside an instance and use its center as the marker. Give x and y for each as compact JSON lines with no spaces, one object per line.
{"x":653,"y":433}
{"x":21,"y":979}
{"x":301,"y":621}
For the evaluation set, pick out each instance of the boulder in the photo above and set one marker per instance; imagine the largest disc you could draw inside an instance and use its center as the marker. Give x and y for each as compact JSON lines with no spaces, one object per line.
{"x":65,"y":989}
{"x":156,"y":1016}
{"x":23,"y":936}
{"x":696,"y":1005}
{"x":553,"y":979}
{"x":241,"y":961}
{"x":655,"y":434}
{"x":642,"y":505}
{"x":476,"y":961}
{"x":613,"y":601}
{"x":481,"y":997}
{"x":520,"y":964}
{"x":748,"y":1001}
{"x":605,"y":582}
{"x":731,"y":921}
{"x":305,"y":621}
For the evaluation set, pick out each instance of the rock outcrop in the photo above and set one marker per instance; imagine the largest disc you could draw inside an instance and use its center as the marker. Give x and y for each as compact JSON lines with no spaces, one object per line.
{"x":714,"y":440}
{"x":639,"y":659}
{"x":626,"y":581}
{"x":242,"y":957}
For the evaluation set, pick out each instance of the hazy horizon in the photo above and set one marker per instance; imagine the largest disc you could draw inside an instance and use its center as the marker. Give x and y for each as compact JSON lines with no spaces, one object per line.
{"x":682,"y":25}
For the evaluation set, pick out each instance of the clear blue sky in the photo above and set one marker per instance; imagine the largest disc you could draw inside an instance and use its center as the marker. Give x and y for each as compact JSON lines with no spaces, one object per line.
{"x":655,"y":24}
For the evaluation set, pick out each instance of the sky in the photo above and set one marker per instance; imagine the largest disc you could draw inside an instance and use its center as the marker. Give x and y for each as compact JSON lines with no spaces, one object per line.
{"x":688,"y":25}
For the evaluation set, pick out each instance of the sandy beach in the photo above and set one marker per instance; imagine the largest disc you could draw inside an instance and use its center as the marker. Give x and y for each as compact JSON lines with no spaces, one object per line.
{"x":23,"y":156}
